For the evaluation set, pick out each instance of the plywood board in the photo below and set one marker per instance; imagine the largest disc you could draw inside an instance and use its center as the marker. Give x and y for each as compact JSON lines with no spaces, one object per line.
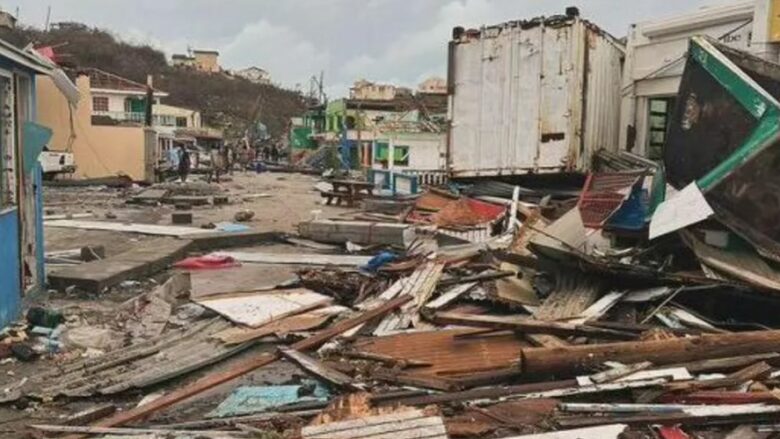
{"x":258,"y":309}
{"x":303,"y":259}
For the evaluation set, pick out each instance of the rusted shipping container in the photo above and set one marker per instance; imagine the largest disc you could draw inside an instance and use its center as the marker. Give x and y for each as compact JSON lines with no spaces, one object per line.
{"x":536,"y":96}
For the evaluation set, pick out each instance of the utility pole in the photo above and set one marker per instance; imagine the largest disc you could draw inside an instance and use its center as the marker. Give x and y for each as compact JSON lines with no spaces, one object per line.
{"x":48,"y":18}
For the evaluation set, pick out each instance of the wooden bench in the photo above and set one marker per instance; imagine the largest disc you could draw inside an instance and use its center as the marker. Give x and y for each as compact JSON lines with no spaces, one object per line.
{"x":340,"y":197}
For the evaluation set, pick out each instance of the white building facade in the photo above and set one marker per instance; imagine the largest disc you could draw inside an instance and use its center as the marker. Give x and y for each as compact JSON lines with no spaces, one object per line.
{"x":655,"y":59}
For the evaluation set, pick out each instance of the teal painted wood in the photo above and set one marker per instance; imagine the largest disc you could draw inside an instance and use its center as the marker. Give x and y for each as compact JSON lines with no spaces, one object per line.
{"x":10,"y":267}
{"x":256,"y":399}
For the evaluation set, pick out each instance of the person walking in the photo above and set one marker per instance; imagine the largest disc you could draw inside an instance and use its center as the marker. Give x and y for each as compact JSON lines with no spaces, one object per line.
{"x":185,"y":163}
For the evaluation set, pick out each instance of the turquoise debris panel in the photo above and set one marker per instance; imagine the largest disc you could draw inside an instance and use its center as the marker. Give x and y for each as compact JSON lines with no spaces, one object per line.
{"x":256,"y":399}
{"x":36,"y":137}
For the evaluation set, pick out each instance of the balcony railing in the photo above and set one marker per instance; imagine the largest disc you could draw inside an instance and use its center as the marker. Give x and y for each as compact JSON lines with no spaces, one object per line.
{"x":137,"y":117}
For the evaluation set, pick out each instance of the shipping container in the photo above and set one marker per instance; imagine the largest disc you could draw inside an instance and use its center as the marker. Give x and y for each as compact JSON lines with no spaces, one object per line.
{"x":536,"y":96}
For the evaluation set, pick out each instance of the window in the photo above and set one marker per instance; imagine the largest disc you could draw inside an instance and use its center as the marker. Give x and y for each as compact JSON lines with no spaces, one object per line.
{"x":381,"y":151}
{"x":99,"y":103}
{"x":660,"y":113}
{"x":181,"y":121}
{"x":401,"y":155}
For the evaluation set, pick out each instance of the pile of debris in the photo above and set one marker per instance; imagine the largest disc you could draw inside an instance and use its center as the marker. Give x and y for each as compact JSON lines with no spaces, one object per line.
{"x":624,"y":308}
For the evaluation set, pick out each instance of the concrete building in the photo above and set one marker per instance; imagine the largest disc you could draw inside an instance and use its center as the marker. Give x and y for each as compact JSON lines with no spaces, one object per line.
{"x":655,"y":57}
{"x":7,"y":20}
{"x":206,"y":60}
{"x":170,"y":123}
{"x":21,"y":213}
{"x":116,"y":99}
{"x":433,"y":85}
{"x":106,"y":135}
{"x":371,"y":91}
{"x":410,"y":152}
{"x":254,"y":74}
{"x":181,"y":60}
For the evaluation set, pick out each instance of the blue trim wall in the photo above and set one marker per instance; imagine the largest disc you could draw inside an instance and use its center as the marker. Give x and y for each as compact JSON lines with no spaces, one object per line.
{"x":10,"y":267}
{"x":10,"y":234}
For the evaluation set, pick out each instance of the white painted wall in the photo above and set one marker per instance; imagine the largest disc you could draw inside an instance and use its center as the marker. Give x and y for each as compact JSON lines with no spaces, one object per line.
{"x":656,"y":49}
{"x":426,"y":151}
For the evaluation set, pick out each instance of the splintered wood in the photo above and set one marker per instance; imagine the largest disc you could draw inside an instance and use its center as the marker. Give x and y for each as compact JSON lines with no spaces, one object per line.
{"x":572,"y":297}
{"x":420,"y":285}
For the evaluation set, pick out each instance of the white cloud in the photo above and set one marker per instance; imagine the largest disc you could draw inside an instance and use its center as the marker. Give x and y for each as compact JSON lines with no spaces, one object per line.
{"x":281,"y":50}
{"x":416,"y":55}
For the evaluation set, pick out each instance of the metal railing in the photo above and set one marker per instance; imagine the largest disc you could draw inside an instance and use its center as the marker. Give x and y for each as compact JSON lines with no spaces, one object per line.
{"x":138,"y":117}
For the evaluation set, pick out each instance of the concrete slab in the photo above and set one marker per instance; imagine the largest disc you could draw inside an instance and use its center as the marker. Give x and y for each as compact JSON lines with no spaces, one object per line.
{"x":139,"y":262}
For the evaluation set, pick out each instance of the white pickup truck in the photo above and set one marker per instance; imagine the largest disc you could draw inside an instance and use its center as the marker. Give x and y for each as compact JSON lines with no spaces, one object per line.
{"x":57,"y":162}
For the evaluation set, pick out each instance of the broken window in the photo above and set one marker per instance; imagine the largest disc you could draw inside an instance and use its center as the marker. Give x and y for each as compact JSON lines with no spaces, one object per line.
{"x":181,"y":121}
{"x":99,"y":103}
{"x":660,"y":113}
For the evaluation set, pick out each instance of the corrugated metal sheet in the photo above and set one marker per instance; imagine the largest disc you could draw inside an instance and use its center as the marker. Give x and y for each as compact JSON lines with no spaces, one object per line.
{"x":536,"y":97}
{"x":448,"y":354}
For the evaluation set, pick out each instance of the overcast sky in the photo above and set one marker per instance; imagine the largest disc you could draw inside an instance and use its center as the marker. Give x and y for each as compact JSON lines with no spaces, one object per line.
{"x":398,"y":41}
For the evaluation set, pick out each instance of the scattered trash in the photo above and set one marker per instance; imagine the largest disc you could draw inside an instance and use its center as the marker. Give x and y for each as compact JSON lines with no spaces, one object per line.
{"x":207,"y":262}
{"x":243,"y":216}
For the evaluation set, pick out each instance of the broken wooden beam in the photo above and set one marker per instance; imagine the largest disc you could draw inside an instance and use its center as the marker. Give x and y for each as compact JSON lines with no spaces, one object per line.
{"x":619,"y":372}
{"x":316,"y":368}
{"x":247,"y":366}
{"x":566,"y":359}
{"x":423,"y":381}
{"x":742,"y":376}
{"x":526,"y":325}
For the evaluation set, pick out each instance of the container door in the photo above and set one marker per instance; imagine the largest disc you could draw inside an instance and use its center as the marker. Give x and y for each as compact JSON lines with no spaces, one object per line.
{"x":555,"y":112}
{"x":526,"y":85}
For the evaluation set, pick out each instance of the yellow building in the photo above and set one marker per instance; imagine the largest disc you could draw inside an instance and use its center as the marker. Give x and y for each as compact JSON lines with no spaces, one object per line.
{"x":99,"y":149}
{"x":206,"y":60}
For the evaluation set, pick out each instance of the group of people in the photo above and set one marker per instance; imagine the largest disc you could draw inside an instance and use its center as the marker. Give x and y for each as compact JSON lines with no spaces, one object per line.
{"x":223,"y":160}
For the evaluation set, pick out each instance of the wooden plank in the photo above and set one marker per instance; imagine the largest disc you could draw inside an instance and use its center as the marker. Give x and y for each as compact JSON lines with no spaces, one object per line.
{"x":742,"y":376}
{"x":299,"y":259}
{"x":408,"y":424}
{"x":729,"y":363}
{"x":451,"y":294}
{"x":526,"y":325}
{"x":316,"y":368}
{"x":572,"y":297}
{"x":619,"y":372}
{"x":139,"y":431}
{"x":659,"y":352}
{"x":420,"y":285}
{"x":246,"y":366}
{"x":139,"y":262}
{"x":694,"y":415}
{"x":146,"y":229}
{"x":603,"y":432}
